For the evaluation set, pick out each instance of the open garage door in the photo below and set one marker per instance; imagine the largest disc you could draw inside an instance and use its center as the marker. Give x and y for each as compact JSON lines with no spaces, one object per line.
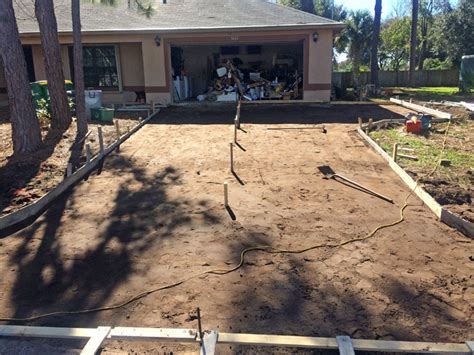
{"x":219,"y":73}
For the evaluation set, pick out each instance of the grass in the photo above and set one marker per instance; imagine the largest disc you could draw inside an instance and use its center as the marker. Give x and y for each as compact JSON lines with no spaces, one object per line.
{"x":436,"y":93}
{"x":429,"y":150}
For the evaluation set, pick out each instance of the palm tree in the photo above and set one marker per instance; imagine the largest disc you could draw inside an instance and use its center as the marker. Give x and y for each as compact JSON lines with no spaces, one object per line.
{"x":413,"y":42}
{"x":26,"y":132}
{"x":356,"y":39}
{"x":60,"y":112}
{"x":374,"y":67}
{"x":78,"y":69}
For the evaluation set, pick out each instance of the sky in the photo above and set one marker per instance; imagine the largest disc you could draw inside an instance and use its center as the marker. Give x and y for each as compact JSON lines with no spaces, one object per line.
{"x":387,"y":5}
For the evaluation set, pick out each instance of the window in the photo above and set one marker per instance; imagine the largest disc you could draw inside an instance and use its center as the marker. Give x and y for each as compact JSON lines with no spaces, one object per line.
{"x":100,"y":67}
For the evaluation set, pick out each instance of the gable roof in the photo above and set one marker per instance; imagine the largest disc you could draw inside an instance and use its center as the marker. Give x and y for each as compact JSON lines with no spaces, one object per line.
{"x":175,"y":15}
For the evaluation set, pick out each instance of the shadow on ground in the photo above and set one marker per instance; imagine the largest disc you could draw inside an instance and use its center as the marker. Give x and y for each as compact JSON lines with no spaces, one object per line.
{"x":272,"y":114}
{"x":142,"y":217}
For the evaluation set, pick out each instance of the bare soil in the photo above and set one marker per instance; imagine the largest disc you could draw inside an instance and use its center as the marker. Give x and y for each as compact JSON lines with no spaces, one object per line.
{"x":156,"y":214}
{"x":25,"y":179}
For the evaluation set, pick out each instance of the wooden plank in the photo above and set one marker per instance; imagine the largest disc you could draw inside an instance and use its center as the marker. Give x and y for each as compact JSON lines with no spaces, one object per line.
{"x":344,"y":344}
{"x":420,"y":108}
{"x":278,"y":340}
{"x":331,"y":343}
{"x":46,"y":332}
{"x":208,"y":344}
{"x":153,"y":334}
{"x":96,"y":341}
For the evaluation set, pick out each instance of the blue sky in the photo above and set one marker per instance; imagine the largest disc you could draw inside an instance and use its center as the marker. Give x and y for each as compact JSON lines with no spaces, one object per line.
{"x":387,"y":5}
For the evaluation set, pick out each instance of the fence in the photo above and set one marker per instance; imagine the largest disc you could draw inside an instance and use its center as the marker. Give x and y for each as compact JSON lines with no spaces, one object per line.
{"x":448,"y":77}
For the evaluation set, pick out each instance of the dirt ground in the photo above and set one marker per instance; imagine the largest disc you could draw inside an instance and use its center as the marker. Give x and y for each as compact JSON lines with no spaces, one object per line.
{"x":156,"y":215}
{"x":24,"y":180}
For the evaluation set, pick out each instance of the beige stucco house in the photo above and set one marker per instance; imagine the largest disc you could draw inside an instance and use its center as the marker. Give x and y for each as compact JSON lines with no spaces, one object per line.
{"x":134,"y":48}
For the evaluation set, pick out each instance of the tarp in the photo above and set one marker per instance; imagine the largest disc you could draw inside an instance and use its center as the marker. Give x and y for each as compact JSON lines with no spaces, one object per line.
{"x":466,"y":74}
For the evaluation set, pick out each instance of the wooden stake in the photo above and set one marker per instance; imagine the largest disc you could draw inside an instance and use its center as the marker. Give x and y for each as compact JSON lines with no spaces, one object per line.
{"x":359,"y":119}
{"x":152,"y":106}
{"x":369,"y":125}
{"x":117,"y":131}
{"x":235,"y":131}
{"x":231,"y":145}
{"x":117,"y":128}
{"x":69,"y":169}
{"x":88,"y":153}
{"x":101,"y":140}
{"x":226,"y":194}
{"x":395,"y":152}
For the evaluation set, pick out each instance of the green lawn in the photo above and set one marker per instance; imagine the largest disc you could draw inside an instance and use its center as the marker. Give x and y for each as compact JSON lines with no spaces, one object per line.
{"x":434,"y":93}
{"x":428,"y":149}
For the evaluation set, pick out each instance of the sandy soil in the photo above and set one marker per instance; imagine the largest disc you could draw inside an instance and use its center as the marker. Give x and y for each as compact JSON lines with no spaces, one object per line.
{"x":156,"y":214}
{"x":24,"y":180}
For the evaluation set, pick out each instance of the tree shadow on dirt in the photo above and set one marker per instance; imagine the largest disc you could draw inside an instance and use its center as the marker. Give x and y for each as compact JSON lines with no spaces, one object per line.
{"x":143,"y":216}
{"x":18,"y":171}
{"x":293,"y":299}
{"x":273,"y":114}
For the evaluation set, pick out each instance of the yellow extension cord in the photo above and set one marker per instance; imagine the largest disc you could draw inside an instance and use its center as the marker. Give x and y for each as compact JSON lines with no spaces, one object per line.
{"x":261,"y":248}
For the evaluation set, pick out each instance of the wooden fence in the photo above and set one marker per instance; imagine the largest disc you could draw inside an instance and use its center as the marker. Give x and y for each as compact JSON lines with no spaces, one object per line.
{"x":448,"y":77}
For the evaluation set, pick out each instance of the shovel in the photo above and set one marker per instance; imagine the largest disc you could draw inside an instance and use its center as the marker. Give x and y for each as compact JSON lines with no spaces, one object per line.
{"x":331,"y":174}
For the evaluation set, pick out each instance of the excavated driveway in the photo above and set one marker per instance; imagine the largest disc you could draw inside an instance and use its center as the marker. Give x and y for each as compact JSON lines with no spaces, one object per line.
{"x":156,"y":215}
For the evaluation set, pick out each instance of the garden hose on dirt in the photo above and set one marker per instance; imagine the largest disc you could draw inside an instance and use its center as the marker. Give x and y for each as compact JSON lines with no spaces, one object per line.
{"x":243,"y":253}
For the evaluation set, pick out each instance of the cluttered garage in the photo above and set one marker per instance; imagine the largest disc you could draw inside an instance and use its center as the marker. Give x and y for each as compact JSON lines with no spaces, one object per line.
{"x":223,"y":73}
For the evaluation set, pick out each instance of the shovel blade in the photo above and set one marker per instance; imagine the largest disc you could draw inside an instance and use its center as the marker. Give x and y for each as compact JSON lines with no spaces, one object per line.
{"x":326,"y":171}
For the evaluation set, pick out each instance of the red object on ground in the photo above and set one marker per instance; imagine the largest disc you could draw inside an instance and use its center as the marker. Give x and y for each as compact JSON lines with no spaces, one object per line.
{"x":413,"y":125}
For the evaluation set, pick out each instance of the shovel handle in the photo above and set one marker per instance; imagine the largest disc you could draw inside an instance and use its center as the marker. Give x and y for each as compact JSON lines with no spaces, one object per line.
{"x":363,"y":187}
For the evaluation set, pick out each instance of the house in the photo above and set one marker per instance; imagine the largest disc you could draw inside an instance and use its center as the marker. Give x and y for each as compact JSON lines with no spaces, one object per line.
{"x":134,"y":47}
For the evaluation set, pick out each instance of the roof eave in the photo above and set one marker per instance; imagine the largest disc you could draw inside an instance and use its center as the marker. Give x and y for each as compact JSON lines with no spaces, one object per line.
{"x":336,"y":26}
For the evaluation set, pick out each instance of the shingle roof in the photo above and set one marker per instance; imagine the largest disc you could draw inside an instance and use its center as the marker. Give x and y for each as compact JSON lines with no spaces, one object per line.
{"x":174,"y":15}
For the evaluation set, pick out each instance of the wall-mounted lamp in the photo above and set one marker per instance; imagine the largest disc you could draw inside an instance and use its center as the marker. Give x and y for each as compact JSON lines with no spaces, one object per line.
{"x":315,"y":37}
{"x":158,"y":41}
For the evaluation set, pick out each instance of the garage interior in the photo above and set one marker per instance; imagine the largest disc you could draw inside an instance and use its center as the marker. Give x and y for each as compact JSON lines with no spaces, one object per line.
{"x":222,"y":73}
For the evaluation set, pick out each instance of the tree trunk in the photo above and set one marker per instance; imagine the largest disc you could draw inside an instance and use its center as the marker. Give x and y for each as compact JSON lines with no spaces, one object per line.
{"x":413,"y":43}
{"x":78,"y":70}
{"x":26,"y":132}
{"x":374,"y":68}
{"x":307,"y":6}
{"x":424,"y":43}
{"x":61,"y":115}
{"x":356,"y":67}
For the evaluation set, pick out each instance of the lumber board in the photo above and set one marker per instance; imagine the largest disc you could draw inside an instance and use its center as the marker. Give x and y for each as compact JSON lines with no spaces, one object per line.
{"x":39,"y":205}
{"x":153,"y":334}
{"x":345,"y":345}
{"x":419,"y":108}
{"x":190,"y":335}
{"x":94,"y":343}
{"x":46,"y":332}
{"x":468,"y":105}
{"x":444,"y":215}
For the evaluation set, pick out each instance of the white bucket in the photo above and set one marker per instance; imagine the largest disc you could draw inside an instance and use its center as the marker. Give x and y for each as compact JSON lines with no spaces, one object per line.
{"x":93,"y":100}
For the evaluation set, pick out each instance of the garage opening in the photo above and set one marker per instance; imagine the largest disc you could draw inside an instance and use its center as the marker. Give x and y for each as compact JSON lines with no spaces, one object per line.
{"x":220,"y":73}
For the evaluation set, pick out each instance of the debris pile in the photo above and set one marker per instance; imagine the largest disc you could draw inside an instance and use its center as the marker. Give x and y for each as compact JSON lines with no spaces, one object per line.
{"x":231,"y":82}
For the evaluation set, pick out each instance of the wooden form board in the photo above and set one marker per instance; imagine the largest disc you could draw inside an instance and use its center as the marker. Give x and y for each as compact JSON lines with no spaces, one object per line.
{"x":419,"y":108}
{"x":445,"y":216}
{"x":38,"y":206}
{"x":98,"y":335}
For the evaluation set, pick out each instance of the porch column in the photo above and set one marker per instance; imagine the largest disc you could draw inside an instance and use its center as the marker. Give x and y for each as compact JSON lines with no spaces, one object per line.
{"x":319,"y":69}
{"x":155,"y":63}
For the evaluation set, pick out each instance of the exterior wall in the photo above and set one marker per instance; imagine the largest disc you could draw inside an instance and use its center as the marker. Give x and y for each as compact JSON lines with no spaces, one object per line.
{"x":145,"y":66}
{"x":319,"y":69}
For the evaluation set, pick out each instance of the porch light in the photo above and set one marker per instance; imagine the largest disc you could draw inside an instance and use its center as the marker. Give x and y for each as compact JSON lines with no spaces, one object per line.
{"x":315,"y":37}
{"x":158,"y":41}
